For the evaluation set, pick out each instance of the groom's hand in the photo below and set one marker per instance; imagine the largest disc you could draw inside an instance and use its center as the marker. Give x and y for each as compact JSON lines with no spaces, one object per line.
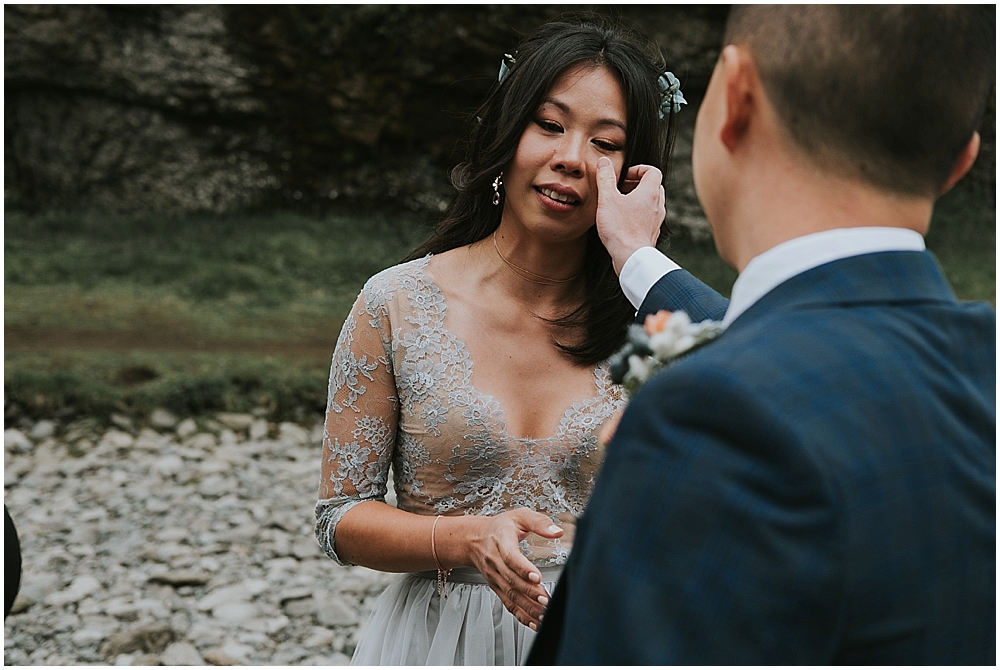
{"x":497,"y":555}
{"x":626,"y":222}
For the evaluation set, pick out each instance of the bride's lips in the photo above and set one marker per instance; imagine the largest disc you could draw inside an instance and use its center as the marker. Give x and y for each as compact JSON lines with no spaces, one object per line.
{"x":558,"y":197}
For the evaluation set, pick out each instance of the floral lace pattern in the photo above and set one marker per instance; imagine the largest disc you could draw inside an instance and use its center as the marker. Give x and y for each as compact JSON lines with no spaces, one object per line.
{"x":401,"y":392}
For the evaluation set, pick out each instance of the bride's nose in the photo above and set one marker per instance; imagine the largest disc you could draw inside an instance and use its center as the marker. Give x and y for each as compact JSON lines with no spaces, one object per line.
{"x":568,"y":157}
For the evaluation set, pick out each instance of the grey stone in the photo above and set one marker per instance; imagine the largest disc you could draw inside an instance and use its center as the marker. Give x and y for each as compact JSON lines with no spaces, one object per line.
{"x":146,"y":660}
{"x":332,"y":610}
{"x":335,"y":658}
{"x":259,"y":429}
{"x":185,"y":428}
{"x":80,"y":588}
{"x":150,"y":440}
{"x":42,"y":430}
{"x":201,"y":442}
{"x":181,"y":653}
{"x":182,"y":578}
{"x":215,"y":485}
{"x":224,"y":594}
{"x":38,"y":585}
{"x":89,"y":635}
{"x":300,"y":607}
{"x":293,"y":433}
{"x":237,"y":650}
{"x":149,"y":638}
{"x":173,"y":534}
{"x":306,"y":548}
{"x":161,"y":418}
{"x":235,"y":612}
{"x":118,"y":439}
{"x":219,"y":657}
{"x":16,"y":442}
{"x":234,"y":421}
{"x":321,"y":638}
{"x":21,"y":604}
{"x":168,"y":465}
{"x":123,"y":422}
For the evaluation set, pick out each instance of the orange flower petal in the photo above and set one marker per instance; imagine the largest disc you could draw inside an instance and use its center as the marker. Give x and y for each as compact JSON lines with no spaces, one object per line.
{"x":655,"y":323}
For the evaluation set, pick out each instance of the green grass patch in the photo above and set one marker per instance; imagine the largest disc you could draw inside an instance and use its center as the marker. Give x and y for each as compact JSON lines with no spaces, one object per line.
{"x":202,"y":314}
{"x":98,"y":383}
{"x":963,"y":236}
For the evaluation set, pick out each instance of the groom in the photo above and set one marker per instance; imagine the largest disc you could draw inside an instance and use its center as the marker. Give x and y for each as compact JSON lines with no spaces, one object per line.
{"x":817,"y":486}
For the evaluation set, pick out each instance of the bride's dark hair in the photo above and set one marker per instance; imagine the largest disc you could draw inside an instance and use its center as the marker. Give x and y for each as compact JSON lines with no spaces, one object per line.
{"x":603,"y":317}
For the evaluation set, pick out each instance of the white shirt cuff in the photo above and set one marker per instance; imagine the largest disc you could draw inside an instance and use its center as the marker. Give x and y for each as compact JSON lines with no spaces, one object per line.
{"x":641,"y":271}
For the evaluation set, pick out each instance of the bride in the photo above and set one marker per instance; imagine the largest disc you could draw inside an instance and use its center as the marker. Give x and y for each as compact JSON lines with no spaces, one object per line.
{"x":475,"y":368}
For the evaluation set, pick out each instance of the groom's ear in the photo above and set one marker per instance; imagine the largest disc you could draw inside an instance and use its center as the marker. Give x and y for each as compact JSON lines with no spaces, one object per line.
{"x":963,"y":164}
{"x":743,"y":90}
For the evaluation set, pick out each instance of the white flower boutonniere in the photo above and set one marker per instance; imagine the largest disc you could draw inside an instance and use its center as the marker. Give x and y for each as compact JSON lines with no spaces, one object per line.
{"x":664,"y":338}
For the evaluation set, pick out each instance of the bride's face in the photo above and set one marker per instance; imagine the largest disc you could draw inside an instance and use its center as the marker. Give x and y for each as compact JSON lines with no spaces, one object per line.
{"x":550,"y":185}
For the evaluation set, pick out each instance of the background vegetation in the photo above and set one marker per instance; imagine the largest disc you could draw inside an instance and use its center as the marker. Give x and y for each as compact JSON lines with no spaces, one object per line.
{"x":194,"y":194}
{"x":125,"y":313}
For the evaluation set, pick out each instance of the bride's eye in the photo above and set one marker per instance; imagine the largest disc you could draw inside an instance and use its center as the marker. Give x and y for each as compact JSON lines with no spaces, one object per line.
{"x":607,"y":146}
{"x":549,"y":126}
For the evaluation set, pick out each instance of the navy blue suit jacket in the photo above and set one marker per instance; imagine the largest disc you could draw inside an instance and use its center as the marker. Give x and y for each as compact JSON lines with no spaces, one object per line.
{"x":816,"y":486}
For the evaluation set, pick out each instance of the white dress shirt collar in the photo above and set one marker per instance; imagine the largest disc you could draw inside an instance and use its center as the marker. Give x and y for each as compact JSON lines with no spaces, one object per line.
{"x":777,"y":265}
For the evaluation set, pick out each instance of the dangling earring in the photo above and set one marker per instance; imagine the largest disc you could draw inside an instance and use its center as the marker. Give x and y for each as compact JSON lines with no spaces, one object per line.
{"x":497,"y":183}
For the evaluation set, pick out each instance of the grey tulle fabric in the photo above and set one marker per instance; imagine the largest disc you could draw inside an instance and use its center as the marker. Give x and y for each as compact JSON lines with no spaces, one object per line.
{"x":411,"y":625}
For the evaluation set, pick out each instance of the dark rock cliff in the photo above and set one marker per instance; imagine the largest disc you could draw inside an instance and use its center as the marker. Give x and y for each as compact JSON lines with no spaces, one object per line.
{"x":243,"y":107}
{"x":238,"y":107}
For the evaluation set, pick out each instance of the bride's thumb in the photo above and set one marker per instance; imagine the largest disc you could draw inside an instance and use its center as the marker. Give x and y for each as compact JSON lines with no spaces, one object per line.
{"x":540,"y":524}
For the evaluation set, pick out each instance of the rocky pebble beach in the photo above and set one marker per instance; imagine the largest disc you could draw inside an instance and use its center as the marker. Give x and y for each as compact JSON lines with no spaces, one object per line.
{"x":179,"y":542}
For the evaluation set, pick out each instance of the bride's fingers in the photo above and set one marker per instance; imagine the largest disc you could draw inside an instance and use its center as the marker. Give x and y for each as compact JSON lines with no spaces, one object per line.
{"x":527,"y":610}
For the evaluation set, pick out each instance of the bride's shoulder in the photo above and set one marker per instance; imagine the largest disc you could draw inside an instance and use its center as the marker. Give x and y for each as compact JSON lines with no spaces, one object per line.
{"x":397,"y":274}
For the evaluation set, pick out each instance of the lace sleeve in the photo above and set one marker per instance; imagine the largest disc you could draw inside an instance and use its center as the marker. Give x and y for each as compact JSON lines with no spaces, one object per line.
{"x":361,"y":417}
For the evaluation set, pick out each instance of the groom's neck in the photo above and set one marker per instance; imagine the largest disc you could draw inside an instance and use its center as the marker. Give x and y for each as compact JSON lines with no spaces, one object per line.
{"x":783,"y":197}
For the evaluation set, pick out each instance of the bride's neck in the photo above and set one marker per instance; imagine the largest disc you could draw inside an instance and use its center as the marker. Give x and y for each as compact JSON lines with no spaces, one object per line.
{"x":541,"y":277}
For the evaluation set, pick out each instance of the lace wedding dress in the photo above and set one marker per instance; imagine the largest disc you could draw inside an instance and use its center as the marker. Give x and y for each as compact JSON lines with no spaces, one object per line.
{"x":401,"y":393}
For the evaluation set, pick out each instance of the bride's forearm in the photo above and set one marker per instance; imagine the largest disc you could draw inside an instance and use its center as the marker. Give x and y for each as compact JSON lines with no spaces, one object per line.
{"x":381,"y":537}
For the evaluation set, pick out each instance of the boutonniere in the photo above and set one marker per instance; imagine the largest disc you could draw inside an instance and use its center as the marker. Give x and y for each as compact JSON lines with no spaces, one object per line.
{"x":661,"y":340}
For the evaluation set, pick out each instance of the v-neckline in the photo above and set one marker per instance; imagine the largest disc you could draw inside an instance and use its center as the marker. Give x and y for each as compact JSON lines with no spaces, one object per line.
{"x":486,"y":399}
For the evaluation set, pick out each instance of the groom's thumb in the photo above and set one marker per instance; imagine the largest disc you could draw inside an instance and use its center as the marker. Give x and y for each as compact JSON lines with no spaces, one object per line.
{"x":607,"y":181}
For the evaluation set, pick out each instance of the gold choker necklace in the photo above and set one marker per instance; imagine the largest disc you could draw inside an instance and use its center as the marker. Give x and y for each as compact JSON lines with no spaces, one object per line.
{"x":528,"y":275}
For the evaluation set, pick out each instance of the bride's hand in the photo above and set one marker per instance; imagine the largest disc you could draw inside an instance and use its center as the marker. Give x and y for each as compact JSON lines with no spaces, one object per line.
{"x":496,"y":553}
{"x":631,"y":220}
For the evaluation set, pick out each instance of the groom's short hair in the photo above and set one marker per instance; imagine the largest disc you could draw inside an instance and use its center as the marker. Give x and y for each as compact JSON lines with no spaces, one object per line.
{"x":888,"y":94}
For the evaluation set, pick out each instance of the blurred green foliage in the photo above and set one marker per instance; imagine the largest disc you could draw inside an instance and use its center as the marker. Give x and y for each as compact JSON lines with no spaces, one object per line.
{"x":199,"y":314}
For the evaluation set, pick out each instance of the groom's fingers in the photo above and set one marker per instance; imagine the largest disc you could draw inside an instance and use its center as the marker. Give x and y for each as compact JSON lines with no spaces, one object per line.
{"x":607,"y":180}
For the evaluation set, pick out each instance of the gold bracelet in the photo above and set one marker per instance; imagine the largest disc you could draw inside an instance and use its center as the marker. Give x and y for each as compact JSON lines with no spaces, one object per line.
{"x":442,"y":580}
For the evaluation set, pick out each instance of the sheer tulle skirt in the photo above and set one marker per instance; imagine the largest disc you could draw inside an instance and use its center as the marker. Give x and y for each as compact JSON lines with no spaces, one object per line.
{"x":411,"y":625}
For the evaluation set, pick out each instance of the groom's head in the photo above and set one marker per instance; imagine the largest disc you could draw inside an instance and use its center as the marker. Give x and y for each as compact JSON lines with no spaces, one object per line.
{"x":887,"y":94}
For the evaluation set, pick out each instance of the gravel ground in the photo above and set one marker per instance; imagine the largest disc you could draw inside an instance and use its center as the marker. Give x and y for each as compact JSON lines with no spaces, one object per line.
{"x":180,"y":543}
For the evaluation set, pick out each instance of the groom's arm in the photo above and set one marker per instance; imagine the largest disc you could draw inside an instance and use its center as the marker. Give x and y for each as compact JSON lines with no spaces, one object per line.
{"x":652,"y":282}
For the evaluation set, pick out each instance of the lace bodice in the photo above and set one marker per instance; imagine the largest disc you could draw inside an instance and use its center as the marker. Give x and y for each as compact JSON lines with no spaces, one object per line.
{"x":401,"y":393}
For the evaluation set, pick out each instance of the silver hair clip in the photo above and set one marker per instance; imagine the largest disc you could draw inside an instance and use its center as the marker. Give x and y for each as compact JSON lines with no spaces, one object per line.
{"x":504,"y":68}
{"x":671,"y":97}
